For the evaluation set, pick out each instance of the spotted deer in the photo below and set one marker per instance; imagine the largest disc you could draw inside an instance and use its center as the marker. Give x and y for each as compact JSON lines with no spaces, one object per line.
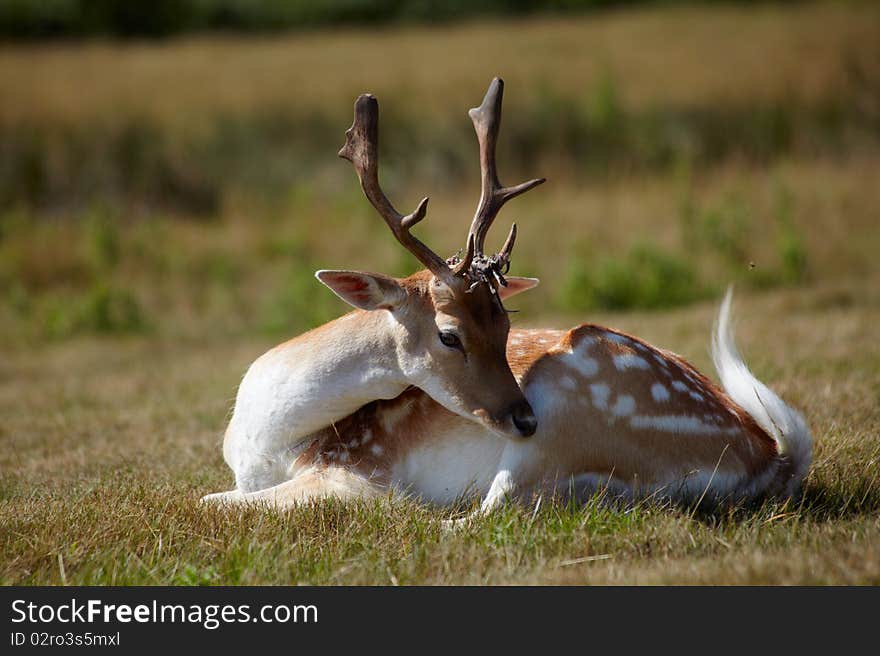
{"x":425,"y":390}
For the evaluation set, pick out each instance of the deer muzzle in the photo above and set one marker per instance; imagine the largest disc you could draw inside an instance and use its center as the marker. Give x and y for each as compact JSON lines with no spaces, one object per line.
{"x":523,"y":419}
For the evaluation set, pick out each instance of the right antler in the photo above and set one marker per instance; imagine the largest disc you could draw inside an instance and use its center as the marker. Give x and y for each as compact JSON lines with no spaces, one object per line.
{"x":487,"y":121}
{"x":362,"y":150}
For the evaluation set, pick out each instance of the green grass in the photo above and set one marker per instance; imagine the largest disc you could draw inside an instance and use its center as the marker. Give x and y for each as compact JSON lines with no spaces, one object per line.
{"x":166,"y":227}
{"x":159,"y":537}
{"x":109,"y":443}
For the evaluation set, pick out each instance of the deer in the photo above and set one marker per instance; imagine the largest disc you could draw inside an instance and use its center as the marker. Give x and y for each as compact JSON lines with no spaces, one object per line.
{"x":424,"y":390}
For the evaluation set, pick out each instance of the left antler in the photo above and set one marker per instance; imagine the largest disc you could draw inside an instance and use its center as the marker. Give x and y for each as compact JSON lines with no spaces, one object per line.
{"x":362,"y":150}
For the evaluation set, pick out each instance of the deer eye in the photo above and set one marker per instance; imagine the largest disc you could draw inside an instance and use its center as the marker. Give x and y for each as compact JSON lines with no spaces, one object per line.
{"x":450,"y":340}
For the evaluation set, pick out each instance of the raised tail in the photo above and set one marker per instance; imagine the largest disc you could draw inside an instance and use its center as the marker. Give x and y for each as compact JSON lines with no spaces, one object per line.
{"x":783,"y":423}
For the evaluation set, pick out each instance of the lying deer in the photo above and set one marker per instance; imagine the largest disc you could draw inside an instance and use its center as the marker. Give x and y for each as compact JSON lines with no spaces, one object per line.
{"x":425,"y":390}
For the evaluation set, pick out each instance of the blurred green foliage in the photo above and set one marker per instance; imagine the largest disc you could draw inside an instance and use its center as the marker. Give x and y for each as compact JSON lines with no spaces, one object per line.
{"x":146,"y":223}
{"x":790,"y":243}
{"x":124,"y":272}
{"x":646,"y":277}
{"x":101,"y":274}
{"x":141,"y":162}
{"x":63,"y":280}
{"x":716,"y":237}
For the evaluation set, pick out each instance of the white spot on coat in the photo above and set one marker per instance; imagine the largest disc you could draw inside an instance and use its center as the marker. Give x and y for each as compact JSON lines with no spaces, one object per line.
{"x":659,"y":392}
{"x":673,"y":423}
{"x":630,"y":361}
{"x":599,"y":393}
{"x":585,"y":344}
{"x":586,"y":367}
{"x":624,"y":406}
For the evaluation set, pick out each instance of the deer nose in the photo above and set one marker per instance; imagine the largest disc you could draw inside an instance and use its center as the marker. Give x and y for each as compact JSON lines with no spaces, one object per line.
{"x":524,"y":419}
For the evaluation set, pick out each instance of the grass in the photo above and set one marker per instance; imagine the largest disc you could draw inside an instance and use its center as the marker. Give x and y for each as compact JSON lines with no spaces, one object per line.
{"x":108,"y":475}
{"x":126,"y":324}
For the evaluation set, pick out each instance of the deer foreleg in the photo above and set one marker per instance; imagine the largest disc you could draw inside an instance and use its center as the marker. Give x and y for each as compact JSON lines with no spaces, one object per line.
{"x":313,"y":483}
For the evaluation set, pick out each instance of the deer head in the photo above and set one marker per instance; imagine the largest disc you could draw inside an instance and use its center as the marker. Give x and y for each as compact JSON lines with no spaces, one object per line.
{"x":453,"y":326}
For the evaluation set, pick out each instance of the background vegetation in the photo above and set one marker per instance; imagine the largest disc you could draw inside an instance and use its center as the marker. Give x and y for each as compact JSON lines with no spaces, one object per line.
{"x":164,"y":204}
{"x":23,"y":19}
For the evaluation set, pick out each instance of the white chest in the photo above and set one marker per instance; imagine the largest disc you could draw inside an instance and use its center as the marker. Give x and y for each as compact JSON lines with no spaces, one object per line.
{"x":449,"y":467}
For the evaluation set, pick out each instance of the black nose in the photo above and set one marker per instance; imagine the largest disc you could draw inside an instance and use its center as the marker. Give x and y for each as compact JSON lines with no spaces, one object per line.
{"x":524,"y":419}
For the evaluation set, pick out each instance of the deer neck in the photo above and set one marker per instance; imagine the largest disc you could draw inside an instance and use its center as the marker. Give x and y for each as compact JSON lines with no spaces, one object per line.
{"x":326,"y":374}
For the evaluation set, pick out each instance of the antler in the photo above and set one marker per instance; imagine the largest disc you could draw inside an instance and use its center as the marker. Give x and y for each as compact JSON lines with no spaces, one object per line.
{"x":362,"y":150}
{"x":487,"y":120}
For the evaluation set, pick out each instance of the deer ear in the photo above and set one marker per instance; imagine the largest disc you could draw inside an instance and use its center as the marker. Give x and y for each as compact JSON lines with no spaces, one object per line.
{"x":515,"y":285}
{"x":367,"y":291}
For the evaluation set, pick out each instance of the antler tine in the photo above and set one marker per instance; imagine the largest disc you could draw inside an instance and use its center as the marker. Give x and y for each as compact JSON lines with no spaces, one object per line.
{"x":507,"y":249}
{"x":362,"y":150}
{"x":464,"y":265}
{"x":487,"y":120}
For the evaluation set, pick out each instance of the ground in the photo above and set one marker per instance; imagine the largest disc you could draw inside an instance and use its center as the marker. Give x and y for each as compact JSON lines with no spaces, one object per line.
{"x":108,"y":447}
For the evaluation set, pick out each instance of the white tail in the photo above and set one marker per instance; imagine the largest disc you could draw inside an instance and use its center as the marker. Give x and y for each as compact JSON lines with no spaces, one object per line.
{"x":783,"y":423}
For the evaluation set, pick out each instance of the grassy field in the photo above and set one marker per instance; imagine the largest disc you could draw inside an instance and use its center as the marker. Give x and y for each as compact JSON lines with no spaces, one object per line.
{"x":108,"y":446}
{"x":126,"y":323}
